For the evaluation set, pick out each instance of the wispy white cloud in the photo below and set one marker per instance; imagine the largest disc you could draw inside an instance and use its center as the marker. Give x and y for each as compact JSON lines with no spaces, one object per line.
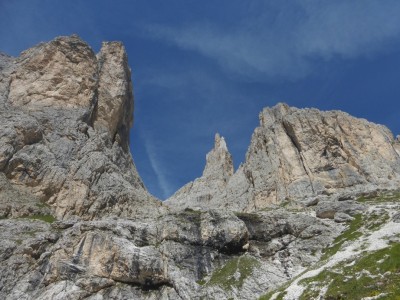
{"x":285,"y":42}
{"x":155,"y":164}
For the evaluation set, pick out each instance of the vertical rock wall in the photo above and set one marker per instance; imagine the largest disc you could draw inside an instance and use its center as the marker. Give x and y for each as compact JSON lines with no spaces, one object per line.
{"x":65,"y":122}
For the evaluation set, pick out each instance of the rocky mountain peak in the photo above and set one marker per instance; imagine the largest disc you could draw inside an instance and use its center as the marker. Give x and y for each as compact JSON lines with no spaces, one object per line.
{"x":219,"y":142}
{"x":59,"y":74}
{"x":65,"y":74}
{"x":307,"y":153}
{"x":397,"y":145}
{"x":66,"y":115}
{"x":272,"y":115}
{"x":219,"y":161}
{"x":219,"y":168}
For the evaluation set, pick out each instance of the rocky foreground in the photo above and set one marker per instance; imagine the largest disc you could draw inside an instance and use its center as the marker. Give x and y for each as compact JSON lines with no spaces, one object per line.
{"x":310,"y":214}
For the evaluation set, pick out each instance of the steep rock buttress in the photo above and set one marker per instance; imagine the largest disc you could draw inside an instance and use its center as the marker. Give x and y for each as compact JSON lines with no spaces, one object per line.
{"x":65,"y":119}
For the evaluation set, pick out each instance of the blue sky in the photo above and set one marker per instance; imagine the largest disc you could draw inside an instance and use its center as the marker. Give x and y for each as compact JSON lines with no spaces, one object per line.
{"x":201,"y":67}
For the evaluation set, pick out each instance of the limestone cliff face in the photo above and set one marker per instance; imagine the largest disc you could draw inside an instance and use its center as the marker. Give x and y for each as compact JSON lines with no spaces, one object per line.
{"x":297,"y":154}
{"x":114,"y":110}
{"x":65,"y":119}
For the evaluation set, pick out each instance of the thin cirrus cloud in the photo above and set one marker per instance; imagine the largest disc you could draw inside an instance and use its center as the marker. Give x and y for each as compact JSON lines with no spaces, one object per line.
{"x":284,"y":45}
{"x":157,"y":167}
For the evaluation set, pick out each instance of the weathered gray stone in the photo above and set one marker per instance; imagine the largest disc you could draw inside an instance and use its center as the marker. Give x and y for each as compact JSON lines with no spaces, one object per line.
{"x":328,"y":209}
{"x":396,"y":218}
{"x":311,"y":202}
{"x":342,"y":217}
{"x":6,"y":67}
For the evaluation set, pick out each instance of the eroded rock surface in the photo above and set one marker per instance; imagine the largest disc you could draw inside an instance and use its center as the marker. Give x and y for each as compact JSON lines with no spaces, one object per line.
{"x":151,"y":260}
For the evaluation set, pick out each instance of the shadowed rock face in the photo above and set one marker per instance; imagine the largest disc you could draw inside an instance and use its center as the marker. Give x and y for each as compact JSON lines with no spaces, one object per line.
{"x":76,"y":221}
{"x":302,"y":153}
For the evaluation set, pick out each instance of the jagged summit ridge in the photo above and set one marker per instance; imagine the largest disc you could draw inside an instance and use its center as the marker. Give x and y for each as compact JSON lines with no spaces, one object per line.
{"x":301,"y":153}
{"x":218,"y":161}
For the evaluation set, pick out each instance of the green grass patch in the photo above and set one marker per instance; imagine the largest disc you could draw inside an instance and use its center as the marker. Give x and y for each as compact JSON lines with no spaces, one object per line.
{"x":386,"y":197}
{"x":357,"y":228}
{"x":376,"y":220}
{"x":247,"y":216}
{"x":233,"y":273}
{"x":201,"y":282}
{"x":370,"y":275}
{"x":45,"y":218}
{"x":192,"y":211}
{"x":31,"y":233}
{"x":189,"y":216}
{"x":349,"y":234}
{"x":279,"y":296}
{"x":362,"y":224}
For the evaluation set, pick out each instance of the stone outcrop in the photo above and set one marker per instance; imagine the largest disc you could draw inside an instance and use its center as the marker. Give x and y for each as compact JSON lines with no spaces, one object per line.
{"x":114,"y":110}
{"x":298,"y":154}
{"x":6,"y":67}
{"x":164,"y":258}
{"x":396,"y":145}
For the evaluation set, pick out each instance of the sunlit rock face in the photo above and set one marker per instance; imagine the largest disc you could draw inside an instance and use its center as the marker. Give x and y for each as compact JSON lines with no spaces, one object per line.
{"x":61,"y":73}
{"x":114,"y":110}
{"x":303,"y":153}
{"x":76,"y":221}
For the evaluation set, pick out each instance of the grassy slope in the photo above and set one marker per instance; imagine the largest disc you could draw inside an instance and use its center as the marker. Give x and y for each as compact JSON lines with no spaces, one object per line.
{"x":370,"y":274}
